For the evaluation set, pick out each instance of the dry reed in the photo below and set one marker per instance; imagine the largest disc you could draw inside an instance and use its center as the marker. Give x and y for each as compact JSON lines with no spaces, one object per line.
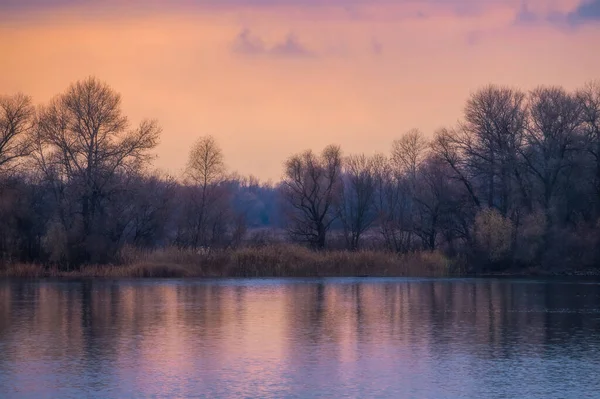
{"x":267,"y":261}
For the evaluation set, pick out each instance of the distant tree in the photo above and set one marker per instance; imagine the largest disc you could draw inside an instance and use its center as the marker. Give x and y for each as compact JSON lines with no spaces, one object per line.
{"x":589,"y":99}
{"x":205,"y":163}
{"x":83,"y":145}
{"x":447,"y":145}
{"x":408,"y":153}
{"x":311,"y":188}
{"x":150,"y":209}
{"x":24,"y":207}
{"x":207,"y":205}
{"x":16,"y":124}
{"x":515,"y":183}
{"x":552,"y":139}
{"x":491,"y":139}
{"x":392,"y":204}
{"x":432,"y":197}
{"x":356,"y":208}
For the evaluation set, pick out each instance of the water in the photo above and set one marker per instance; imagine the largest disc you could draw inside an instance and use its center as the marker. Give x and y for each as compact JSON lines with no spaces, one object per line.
{"x":329,"y":338}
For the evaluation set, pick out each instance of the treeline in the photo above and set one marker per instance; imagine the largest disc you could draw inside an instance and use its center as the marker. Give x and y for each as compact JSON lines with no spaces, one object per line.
{"x":516,"y":183}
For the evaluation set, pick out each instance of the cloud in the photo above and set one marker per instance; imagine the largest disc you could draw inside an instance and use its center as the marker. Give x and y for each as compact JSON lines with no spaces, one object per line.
{"x":525,"y":15}
{"x":460,"y":7}
{"x":252,"y":3}
{"x":588,"y":11}
{"x":246,"y":43}
{"x":290,"y":47}
{"x":527,"y":11}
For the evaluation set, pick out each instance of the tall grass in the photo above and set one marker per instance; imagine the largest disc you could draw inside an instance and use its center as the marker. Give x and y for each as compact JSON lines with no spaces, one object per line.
{"x":269,"y":261}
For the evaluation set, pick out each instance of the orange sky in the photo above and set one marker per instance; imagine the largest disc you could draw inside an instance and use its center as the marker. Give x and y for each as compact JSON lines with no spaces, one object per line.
{"x":268,"y":80}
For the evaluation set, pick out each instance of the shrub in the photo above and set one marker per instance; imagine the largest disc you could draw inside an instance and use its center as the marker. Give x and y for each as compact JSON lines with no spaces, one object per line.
{"x":493,"y":235}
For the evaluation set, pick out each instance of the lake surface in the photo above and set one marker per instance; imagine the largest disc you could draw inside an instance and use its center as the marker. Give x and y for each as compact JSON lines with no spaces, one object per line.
{"x":327,"y":338}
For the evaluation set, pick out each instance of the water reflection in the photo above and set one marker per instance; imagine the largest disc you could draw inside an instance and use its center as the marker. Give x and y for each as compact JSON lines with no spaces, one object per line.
{"x":285,"y":338}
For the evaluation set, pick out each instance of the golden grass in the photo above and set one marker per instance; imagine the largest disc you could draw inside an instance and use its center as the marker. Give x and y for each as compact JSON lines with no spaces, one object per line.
{"x":268,"y":261}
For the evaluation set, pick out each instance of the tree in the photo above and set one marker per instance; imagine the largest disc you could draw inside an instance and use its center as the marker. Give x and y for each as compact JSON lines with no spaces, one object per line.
{"x":24,"y":208}
{"x":150,"y":206}
{"x":589,"y":100}
{"x":208,"y":200}
{"x":431,"y":196}
{"x":492,"y":137}
{"x":447,"y":145}
{"x":311,"y":189}
{"x":205,"y":163}
{"x":408,"y":152}
{"x":16,"y":123}
{"x":493,"y":235}
{"x":16,"y":218}
{"x":83,"y":144}
{"x":357,"y":206}
{"x":552,"y":138}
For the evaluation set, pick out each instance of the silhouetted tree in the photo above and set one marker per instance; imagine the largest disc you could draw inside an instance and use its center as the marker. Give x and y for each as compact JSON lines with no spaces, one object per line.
{"x":589,"y":99}
{"x":207,"y":197}
{"x":356,"y":208}
{"x":83,"y":144}
{"x":515,"y":183}
{"x":16,"y":124}
{"x":552,"y":139}
{"x":311,"y":187}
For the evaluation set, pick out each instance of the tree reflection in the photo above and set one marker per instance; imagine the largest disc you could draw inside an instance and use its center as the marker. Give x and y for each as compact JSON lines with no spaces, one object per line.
{"x":140,"y":335}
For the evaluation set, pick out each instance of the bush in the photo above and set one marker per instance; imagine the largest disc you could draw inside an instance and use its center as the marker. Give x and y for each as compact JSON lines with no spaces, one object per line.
{"x":493,"y":236}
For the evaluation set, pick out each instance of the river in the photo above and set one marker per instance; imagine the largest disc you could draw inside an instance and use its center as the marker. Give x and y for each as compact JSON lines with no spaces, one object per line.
{"x":309,"y":338}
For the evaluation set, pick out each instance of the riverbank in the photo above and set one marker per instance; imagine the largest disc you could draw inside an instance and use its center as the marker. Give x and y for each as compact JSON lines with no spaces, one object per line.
{"x":268,"y":261}
{"x":539,"y":272}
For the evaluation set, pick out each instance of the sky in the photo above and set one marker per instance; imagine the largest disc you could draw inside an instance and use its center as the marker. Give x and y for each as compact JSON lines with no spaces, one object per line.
{"x":268,"y":78}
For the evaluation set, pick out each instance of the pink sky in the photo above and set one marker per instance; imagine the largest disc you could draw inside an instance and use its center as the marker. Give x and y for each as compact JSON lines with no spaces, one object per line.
{"x":268,"y":78}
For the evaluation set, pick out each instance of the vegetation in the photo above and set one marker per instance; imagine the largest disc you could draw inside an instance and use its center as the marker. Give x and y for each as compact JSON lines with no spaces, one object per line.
{"x":514,"y":186}
{"x":270,"y":261}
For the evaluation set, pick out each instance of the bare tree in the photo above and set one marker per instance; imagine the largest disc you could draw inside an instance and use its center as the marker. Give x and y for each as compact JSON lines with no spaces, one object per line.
{"x":408,"y":152}
{"x":589,"y":99}
{"x":492,"y":137}
{"x":208,"y":199}
{"x":433,"y":201}
{"x":447,"y":145}
{"x":555,"y":117}
{"x":392,"y":204}
{"x":83,"y":144}
{"x":16,"y":122}
{"x":311,"y":189}
{"x":151,"y":206}
{"x":516,"y":182}
{"x":357,"y":206}
{"x":483,"y":152}
{"x":205,"y":164}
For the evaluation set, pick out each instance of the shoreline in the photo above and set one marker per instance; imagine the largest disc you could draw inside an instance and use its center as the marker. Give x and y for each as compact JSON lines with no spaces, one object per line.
{"x":77,"y":276}
{"x":278,"y":261}
{"x":268,"y":261}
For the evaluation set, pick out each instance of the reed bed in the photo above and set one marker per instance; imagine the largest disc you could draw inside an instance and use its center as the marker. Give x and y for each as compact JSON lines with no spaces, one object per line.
{"x":267,"y":261}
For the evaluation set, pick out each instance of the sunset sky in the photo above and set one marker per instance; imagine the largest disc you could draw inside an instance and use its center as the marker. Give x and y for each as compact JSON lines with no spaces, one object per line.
{"x":268,"y":78}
